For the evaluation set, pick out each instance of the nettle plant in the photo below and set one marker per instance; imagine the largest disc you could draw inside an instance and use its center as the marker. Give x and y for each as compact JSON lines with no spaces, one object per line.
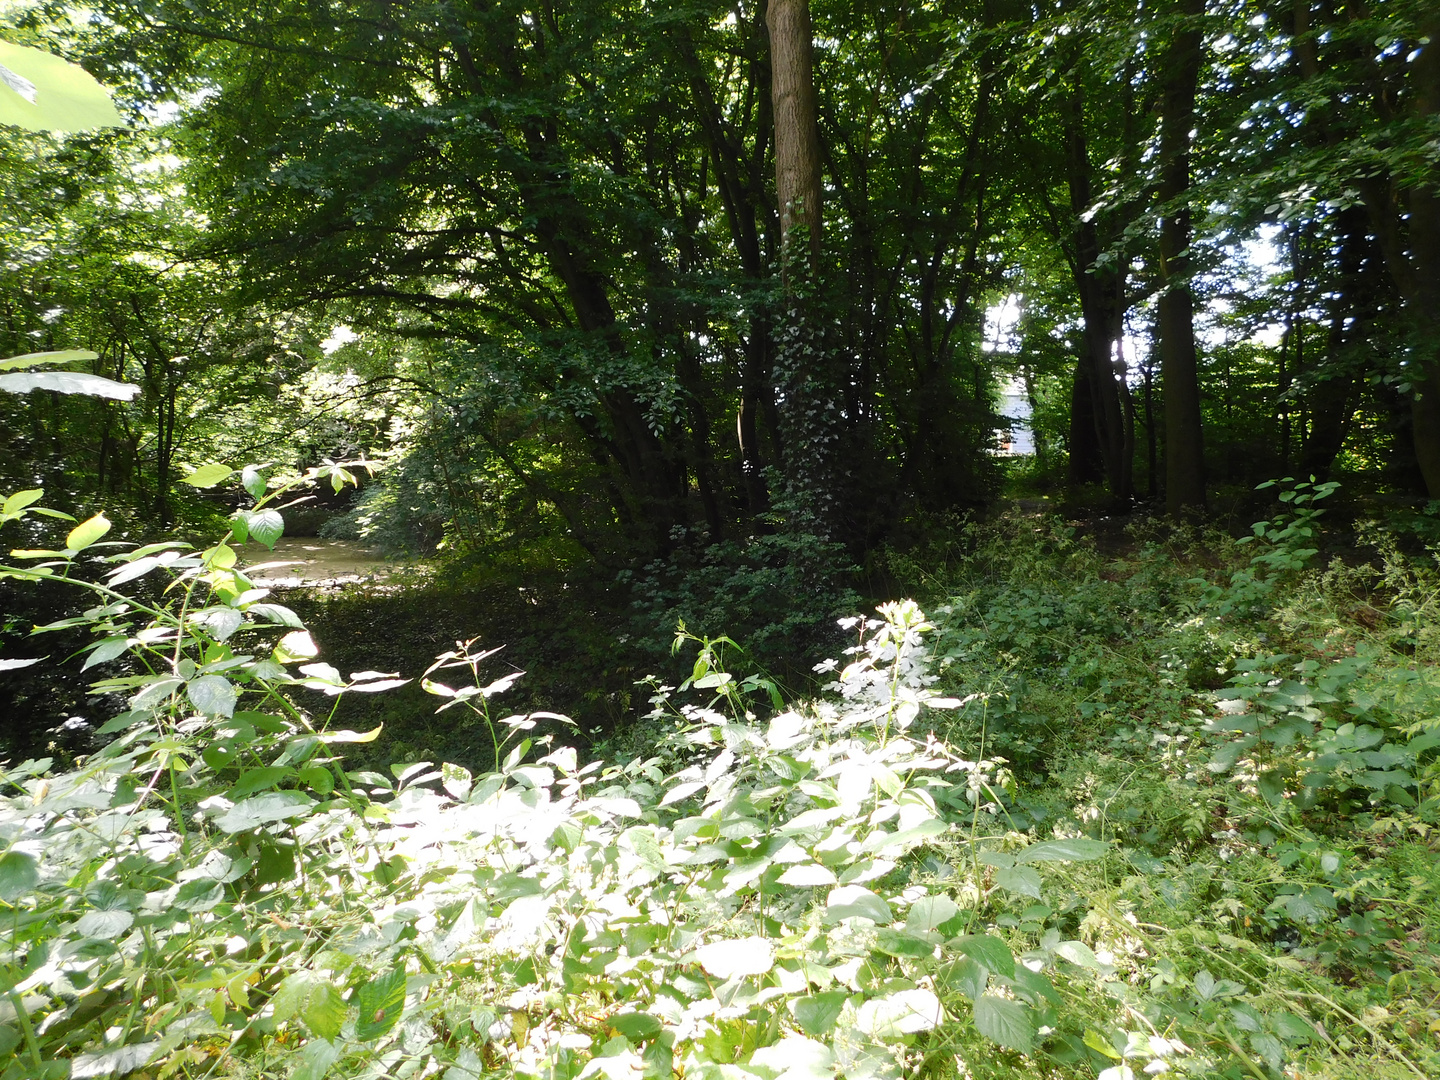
{"x":834,"y":891}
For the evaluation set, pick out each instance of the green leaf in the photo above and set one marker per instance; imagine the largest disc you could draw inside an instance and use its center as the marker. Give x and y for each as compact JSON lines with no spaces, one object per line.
{"x":261,"y":779}
{"x":275,"y":613}
{"x":318,"y":778}
{"x":1101,"y":1045}
{"x":213,"y":695}
{"x":202,"y":894}
{"x":104,"y":924}
{"x":967,"y":976}
{"x":732,"y":957}
{"x":38,"y":359}
{"x":1022,"y":880}
{"x":850,"y":901}
{"x":818,"y":1013}
{"x":264,"y":809}
{"x":381,"y":1002}
{"x":21,"y":499}
{"x":18,"y":875}
{"x":989,"y":952}
{"x":86,"y":533}
{"x":1075,"y":849}
{"x":253,"y":482}
{"x":117,"y":1061}
{"x":42,"y":92}
{"x":902,"y":1013}
{"x":208,"y":476}
{"x":105,"y":651}
{"x":636,"y":1026}
{"x":899,"y":943}
{"x":1005,"y":1022}
{"x":316,"y":1060}
{"x":929,"y":912}
{"x":1079,"y":954}
{"x":311,"y":997}
{"x":807,"y":875}
{"x":266,"y":526}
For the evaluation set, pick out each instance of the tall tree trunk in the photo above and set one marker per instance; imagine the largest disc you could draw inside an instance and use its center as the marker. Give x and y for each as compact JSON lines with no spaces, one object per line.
{"x":811,"y":417}
{"x":797,"y":129}
{"x":1184,"y":440}
{"x":1101,"y":287}
{"x":1424,"y":205}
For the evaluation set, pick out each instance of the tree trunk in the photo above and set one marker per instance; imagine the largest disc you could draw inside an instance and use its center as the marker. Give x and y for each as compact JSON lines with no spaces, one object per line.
{"x":1184,"y":440}
{"x":797,"y":129}
{"x":1101,"y":287}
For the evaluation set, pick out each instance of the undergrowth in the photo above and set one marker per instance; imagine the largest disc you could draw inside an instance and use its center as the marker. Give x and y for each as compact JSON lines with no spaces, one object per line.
{"x":1163,"y":811}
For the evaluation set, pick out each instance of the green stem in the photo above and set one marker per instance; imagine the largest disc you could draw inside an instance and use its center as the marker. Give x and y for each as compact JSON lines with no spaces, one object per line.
{"x":27,"y":1030}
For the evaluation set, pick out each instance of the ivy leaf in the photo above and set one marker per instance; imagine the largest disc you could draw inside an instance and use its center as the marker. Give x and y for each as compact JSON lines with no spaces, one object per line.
{"x":18,"y":875}
{"x":1005,"y":1022}
{"x":381,"y":1002}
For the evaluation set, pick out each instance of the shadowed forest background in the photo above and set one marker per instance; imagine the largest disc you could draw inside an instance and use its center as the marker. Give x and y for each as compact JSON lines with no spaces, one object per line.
{"x":636,"y":332}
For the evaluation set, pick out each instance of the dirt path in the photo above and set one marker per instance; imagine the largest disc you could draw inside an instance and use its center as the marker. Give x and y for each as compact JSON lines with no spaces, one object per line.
{"x":309,"y":561}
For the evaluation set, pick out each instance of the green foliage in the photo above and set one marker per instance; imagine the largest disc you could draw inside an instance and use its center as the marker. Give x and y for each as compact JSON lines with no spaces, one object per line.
{"x":857,"y":884}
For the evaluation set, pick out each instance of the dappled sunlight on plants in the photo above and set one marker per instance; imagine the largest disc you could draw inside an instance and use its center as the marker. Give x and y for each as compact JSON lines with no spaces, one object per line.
{"x":1024,"y":836}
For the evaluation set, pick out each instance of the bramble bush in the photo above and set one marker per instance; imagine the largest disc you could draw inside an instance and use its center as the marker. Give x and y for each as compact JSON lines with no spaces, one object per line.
{"x":861,"y":886}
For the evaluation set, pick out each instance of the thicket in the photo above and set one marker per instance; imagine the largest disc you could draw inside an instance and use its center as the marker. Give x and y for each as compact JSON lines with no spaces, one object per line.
{"x":1169,"y":807}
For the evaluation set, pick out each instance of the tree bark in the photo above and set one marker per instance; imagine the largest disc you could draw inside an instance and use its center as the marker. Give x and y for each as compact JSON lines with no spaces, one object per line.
{"x":797,"y":128}
{"x":1184,"y":439}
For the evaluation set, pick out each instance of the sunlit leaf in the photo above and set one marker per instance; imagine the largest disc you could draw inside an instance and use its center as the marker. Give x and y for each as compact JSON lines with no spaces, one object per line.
{"x":737,"y":956}
{"x":902,"y":1013}
{"x":68,"y":382}
{"x":208,"y":476}
{"x":40,"y":91}
{"x":86,"y":533}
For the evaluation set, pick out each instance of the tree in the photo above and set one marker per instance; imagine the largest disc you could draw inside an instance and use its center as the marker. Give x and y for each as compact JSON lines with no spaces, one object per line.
{"x":1184,"y":444}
